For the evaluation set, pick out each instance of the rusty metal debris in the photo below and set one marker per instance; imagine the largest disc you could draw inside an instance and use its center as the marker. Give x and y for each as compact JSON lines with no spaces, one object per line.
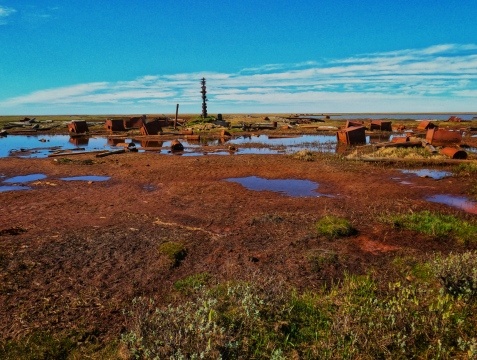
{"x":455,"y":119}
{"x":353,"y":135}
{"x":400,"y":139}
{"x":351,"y":123}
{"x":454,"y":153}
{"x":380,"y":125}
{"x":114,"y":125}
{"x":193,"y":137}
{"x":151,"y":128}
{"x":176,"y":145}
{"x":439,"y":137}
{"x":135,"y":122}
{"x":78,"y":127}
{"x":425,"y":125}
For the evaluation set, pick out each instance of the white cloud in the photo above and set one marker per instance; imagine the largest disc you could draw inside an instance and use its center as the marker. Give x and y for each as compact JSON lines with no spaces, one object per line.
{"x":5,"y":12}
{"x":416,"y":79}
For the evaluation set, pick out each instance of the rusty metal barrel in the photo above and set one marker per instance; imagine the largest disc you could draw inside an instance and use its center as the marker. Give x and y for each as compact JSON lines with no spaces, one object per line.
{"x":454,"y":153}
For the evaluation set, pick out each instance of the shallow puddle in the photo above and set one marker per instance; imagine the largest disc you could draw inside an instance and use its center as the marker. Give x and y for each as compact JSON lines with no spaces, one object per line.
{"x":39,"y":146}
{"x":86,"y":178}
{"x":289,"y":187}
{"x":455,"y":201}
{"x":4,"y":188}
{"x":434,"y":174}
{"x":25,"y":178}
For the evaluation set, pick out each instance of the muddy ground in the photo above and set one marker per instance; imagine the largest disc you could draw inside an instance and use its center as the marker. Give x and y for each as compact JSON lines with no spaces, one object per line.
{"x":74,"y":254}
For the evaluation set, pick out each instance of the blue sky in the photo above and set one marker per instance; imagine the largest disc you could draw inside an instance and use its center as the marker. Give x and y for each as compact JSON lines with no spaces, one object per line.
{"x":125,"y":57}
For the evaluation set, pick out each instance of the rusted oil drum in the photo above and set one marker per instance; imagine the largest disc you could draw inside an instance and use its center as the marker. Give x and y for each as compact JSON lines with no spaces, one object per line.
{"x":454,"y":153}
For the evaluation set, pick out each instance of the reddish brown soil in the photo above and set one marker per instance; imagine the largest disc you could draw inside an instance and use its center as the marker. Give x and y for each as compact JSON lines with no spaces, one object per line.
{"x":89,"y":248}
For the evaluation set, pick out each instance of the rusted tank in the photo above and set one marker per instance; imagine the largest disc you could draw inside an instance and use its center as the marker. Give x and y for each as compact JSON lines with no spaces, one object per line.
{"x":380,"y":125}
{"x":78,"y":127}
{"x":441,"y":137}
{"x":353,"y":135}
{"x":454,"y":153}
{"x":163,"y":121}
{"x":114,"y":125}
{"x":151,"y":128}
{"x":135,"y":122}
{"x":351,"y":123}
{"x":425,"y":125}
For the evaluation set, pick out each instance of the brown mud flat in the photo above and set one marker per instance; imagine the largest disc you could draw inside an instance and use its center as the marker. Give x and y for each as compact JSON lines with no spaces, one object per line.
{"x":74,"y":254}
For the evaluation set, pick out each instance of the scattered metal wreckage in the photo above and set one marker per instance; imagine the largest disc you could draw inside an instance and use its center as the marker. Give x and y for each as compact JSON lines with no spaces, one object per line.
{"x":436,"y":136}
{"x":454,"y":153}
{"x":447,"y":142}
{"x":353,"y":135}
{"x":114,"y":125}
{"x":380,"y":125}
{"x":151,"y":128}
{"x":425,"y":125}
{"x":78,"y":127}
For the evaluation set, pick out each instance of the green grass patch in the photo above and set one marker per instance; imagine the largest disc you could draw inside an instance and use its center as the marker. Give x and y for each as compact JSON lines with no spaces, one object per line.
{"x":436,"y":225}
{"x":174,"y":251}
{"x":334,"y":227}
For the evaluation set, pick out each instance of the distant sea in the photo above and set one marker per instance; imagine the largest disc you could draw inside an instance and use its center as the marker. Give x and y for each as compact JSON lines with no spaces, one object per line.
{"x":399,"y":116}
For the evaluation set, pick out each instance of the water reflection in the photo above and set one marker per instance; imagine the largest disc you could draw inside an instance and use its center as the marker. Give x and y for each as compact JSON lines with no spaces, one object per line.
{"x":455,"y":201}
{"x":41,"y":146}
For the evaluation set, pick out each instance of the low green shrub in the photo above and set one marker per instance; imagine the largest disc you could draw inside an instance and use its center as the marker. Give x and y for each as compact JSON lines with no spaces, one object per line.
{"x":458,"y":273}
{"x":174,"y":251}
{"x":358,"y":318}
{"x":334,"y":227}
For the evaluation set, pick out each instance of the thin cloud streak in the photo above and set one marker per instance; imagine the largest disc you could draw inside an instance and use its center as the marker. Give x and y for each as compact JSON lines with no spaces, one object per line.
{"x":417,"y":79}
{"x":5,"y":12}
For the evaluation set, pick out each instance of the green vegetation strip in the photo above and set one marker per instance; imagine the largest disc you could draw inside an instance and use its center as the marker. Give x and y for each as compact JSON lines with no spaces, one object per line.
{"x":437,"y":225}
{"x":359,"y":318}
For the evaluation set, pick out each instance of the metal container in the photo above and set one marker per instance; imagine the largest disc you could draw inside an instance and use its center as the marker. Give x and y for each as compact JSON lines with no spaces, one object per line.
{"x":454,"y":153}
{"x":352,"y":136}
{"x":441,"y":137}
